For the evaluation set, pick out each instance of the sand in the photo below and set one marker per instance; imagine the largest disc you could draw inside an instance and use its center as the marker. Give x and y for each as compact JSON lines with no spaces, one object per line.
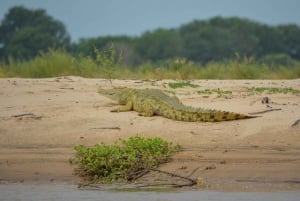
{"x":41,"y":120}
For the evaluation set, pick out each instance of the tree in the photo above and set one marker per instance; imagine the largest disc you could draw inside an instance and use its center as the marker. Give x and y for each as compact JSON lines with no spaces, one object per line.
{"x":219,"y":39}
{"x":122,"y":44}
{"x":24,"y":33}
{"x":290,"y":35}
{"x":159,"y":44}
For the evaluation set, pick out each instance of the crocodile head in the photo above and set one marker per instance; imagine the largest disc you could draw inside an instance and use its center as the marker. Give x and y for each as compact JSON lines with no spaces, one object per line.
{"x":119,"y":94}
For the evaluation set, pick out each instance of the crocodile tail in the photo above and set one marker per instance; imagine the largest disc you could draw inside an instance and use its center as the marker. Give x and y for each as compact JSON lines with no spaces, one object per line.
{"x":205,"y":116}
{"x":228,"y":116}
{"x":215,"y":115}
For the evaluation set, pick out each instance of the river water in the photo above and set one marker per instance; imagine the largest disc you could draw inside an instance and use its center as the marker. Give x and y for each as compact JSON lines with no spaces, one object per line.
{"x":27,"y":192}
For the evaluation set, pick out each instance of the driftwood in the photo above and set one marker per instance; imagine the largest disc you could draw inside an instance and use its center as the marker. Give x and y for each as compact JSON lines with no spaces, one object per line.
{"x":22,"y":115}
{"x":27,"y":115}
{"x":192,"y":182}
{"x":297,"y":122}
{"x":135,"y":175}
{"x":70,"y":88}
{"x":265,"y":111}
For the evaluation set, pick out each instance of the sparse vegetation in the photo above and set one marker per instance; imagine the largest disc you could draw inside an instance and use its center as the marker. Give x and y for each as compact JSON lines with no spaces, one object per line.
{"x":219,"y":92}
{"x":175,"y":85}
{"x":125,"y":159}
{"x":273,"y":90}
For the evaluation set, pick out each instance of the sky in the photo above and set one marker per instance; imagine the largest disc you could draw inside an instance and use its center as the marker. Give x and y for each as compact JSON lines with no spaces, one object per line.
{"x":93,"y":18}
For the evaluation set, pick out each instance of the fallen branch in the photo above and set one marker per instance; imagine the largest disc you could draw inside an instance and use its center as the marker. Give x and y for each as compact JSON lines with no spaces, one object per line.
{"x":22,"y":115}
{"x":141,"y":173}
{"x":27,"y":115}
{"x":70,"y":88}
{"x":296,"y":123}
{"x":265,"y":111}
{"x":113,"y":128}
{"x":192,"y":181}
{"x":135,"y":175}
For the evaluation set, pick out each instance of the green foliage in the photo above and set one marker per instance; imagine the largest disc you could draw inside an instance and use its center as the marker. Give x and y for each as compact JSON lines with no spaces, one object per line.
{"x":273,"y":90}
{"x":124,"y":159}
{"x":175,"y":85}
{"x":24,"y":33}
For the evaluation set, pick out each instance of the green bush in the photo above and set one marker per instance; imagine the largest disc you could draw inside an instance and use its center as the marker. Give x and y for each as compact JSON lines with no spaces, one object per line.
{"x":125,"y":159}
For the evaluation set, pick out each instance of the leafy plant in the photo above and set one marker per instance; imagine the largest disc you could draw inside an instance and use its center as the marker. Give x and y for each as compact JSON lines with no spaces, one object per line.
{"x":175,"y":85}
{"x":125,"y":159}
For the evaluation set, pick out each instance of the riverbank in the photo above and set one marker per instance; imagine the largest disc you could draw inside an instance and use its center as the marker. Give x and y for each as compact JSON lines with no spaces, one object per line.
{"x":42,"y":120}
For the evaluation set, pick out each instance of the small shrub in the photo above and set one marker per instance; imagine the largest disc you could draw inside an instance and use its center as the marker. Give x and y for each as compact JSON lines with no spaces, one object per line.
{"x":125,"y":159}
{"x":108,"y":61}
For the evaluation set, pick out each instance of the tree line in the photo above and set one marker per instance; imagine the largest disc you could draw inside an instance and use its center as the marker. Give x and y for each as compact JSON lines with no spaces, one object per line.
{"x":25,"y":33}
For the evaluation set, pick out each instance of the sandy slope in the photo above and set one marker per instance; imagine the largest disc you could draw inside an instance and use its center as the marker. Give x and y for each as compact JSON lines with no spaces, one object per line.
{"x":41,"y":120}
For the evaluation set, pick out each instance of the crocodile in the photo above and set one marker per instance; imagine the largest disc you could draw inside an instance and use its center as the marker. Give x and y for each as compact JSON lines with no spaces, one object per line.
{"x":150,"y":102}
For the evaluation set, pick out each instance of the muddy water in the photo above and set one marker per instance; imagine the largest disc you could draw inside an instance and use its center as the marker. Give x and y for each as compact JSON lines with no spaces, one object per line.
{"x":27,"y":192}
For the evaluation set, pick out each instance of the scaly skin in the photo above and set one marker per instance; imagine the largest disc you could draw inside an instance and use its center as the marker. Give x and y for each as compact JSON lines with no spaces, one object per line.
{"x":150,"y":102}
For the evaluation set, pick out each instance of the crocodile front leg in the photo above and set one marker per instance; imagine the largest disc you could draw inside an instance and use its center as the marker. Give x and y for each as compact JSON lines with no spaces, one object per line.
{"x":147,"y":112}
{"x":145,"y":108}
{"x":123,"y":108}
